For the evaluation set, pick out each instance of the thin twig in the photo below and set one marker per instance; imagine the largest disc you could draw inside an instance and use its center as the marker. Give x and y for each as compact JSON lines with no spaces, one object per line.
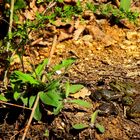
{"x":49,"y":7}
{"x":10,"y":24}
{"x":13,"y":137}
{"x":50,"y":56}
{"x":3,"y":102}
{"x":52,"y":49}
{"x":31,"y":117}
{"x":1,"y":18}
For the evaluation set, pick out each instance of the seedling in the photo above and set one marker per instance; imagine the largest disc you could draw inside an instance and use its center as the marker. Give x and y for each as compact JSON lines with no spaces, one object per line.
{"x":99,"y":127}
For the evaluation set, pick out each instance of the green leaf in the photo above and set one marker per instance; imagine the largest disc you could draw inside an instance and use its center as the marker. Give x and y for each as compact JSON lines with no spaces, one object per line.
{"x":39,"y":1}
{"x":64,"y":64}
{"x":53,"y":85}
{"x":100,"y":127}
{"x":125,"y":5}
{"x":81,"y":103}
{"x":67,"y":88}
{"x":31,"y":101}
{"x":16,"y":95}
{"x":37,"y":113}
{"x":94,"y":116}
{"x":80,"y":126}
{"x":26,"y":78}
{"x":40,"y":68}
{"x":75,"y":88}
{"x":2,"y":98}
{"x":50,"y":98}
{"x":25,"y":101}
{"x":46,"y":134}
{"x":19,"y":4}
{"x":58,"y":109}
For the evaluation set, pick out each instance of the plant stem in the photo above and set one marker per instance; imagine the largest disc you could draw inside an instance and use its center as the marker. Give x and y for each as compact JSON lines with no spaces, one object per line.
{"x":31,"y":116}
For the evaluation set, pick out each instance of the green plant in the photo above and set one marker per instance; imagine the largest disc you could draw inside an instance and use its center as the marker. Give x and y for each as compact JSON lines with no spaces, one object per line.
{"x":52,"y":92}
{"x":110,"y":11}
{"x":91,"y":125}
{"x":91,"y":6}
{"x":68,"y":11}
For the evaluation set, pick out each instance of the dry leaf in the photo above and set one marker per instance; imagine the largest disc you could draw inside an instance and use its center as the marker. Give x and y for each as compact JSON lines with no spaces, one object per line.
{"x":29,"y":14}
{"x":71,"y":1}
{"x":41,"y":9}
{"x":33,"y":6}
{"x":82,"y":93}
{"x":59,"y":22}
{"x":127,"y":23}
{"x":99,"y":35}
{"x":63,"y":36}
{"x":80,"y":28}
{"x":36,"y":41}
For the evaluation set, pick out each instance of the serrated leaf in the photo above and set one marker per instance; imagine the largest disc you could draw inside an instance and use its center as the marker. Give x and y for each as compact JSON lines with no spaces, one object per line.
{"x":81,"y":103}
{"x":40,"y":68}
{"x":26,"y":78}
{"x":94,"y":116}
{"x":2,"y":98}
{"x":50,"y":98}
{"x":75,"y":88}
{"x":37,"y":113}
{"x":80,"y":126}
{"x":100,"y":127}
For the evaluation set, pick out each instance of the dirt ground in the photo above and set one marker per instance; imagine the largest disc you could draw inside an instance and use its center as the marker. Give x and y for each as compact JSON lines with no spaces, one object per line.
{"x":105,"y":53}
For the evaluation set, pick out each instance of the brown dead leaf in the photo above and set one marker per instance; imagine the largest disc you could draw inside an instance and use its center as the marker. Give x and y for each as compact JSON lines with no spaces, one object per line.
{"x":70,"y":1}
{"x":36,"y":41}
{"x":64,"y":36}
{"x":41,"y":9}
{"x":99,"y":35}
{"x":82,"y":93}
{"x":59,"y":22}
{"x":33,"y":6}
{"x":29,"y":14}
{"x":80,"y":28}
{"x":127,"y":23}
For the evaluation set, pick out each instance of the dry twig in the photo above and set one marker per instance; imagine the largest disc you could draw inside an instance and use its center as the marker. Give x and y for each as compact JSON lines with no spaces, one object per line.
{"x":31,"y":117}
{"x":3,"y":102}
{"x":52,"y":49}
